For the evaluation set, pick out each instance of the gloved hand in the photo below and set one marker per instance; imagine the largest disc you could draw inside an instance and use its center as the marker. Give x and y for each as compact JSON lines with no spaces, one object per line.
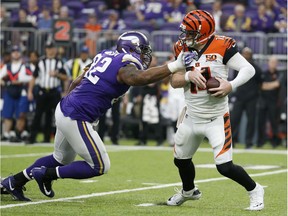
{"x":178,"y":64}
{"x":189,"y":58}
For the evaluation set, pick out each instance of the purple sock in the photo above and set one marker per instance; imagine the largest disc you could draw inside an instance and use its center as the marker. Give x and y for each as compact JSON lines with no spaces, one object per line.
{"x":77,"y":170}
{"x":47,"y":161}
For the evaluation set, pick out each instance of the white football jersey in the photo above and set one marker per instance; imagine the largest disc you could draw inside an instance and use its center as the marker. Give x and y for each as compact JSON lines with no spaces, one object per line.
{"x":213,"y":58}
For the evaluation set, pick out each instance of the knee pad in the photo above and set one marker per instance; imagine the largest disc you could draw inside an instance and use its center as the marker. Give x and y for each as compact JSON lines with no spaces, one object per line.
{"x":224,"y":169}
{"x":182,"y":163}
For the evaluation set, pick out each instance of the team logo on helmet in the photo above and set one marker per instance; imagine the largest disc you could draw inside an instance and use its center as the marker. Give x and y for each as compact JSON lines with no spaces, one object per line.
{"x":134,"y":40}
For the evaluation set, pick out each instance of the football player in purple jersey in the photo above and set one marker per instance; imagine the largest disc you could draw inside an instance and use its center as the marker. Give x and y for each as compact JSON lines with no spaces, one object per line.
{"x":106,"y":79}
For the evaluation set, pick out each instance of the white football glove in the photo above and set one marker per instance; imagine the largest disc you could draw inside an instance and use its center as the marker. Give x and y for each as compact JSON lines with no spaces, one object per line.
{"x":177,"y":65}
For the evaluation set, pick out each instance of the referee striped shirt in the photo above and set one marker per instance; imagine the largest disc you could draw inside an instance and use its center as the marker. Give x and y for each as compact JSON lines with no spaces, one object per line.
{"x":42,"y":73}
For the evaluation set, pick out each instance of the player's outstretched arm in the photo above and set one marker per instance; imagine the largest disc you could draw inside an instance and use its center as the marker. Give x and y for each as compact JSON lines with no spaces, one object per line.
{"x":130,"y":75}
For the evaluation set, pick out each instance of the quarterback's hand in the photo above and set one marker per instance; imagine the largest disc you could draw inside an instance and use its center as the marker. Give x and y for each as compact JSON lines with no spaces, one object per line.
{"x":224,"y":89}
{"x":189,"y":58}
{"x":195,"y":76}
{"x":177,"y":65}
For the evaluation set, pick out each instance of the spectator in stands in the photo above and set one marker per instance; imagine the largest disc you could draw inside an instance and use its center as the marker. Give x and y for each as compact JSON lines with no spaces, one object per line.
{"x":92,"y":28}
{"x":50,"y":72}
{"x":74,"y":67}
{"x":218,"y":15}
{"x":245,"y":99}
{"x":152,"y":12}
{"x":118,"y":5}
{"x":17,"y":75}
{"x":175,"y":11}
{"x":113,"y":22}
{"x":242,"y":2}
{"x":238,"y":22}
{"x":281,"y":22}
{"x":56,"y":8}
{"x":22,"y":21}
{"x":262,"y":22}
{"x":4,"y":20}
{"x":111,"y":25}
{"x":136,"y":5}
{"x":24,"y":38}
{"x":64,"y":12}
{"x":33,"y":12}
{"x":192,"y":4}
{"x":272,"y":9}
{"x":45,"y":22}
{"x":269,"y":104}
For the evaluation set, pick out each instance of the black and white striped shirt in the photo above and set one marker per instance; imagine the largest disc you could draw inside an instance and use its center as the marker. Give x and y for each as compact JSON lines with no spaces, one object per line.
{"x":42,"y":73}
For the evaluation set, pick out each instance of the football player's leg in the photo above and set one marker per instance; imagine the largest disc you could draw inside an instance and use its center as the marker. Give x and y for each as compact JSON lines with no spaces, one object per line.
{"x":219,"y":134}
{"x":186,"y":144}
{"x":220,"y":137}
{"x":87,"y":144}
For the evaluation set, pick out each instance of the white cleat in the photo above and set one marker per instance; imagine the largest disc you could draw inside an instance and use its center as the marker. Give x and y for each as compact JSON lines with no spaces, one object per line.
{"x":182,"y":196}
{"x":256,"y":198}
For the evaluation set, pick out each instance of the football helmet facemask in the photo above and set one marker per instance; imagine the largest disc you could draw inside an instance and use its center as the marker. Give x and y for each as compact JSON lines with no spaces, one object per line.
{"x":137,"y":44}
{"x":197,"y":27}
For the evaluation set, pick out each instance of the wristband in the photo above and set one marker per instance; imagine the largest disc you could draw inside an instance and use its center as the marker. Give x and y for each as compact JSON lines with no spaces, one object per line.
{"x":172,"y":66}
{"x":186,"y":77}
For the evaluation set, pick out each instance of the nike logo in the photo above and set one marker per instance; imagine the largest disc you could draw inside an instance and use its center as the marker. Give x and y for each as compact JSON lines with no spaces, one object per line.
{"x":46,"y":192}
{"x":10,"y":185}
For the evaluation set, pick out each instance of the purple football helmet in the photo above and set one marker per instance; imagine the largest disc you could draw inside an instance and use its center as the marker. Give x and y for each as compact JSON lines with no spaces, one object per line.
{"x":137,"y":44}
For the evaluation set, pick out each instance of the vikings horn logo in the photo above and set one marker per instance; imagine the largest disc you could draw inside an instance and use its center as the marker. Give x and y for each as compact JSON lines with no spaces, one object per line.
{"x":134,"y":40}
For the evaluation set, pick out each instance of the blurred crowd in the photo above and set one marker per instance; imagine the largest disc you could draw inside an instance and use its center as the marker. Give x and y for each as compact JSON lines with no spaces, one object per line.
{"x":144,"y":113}
{"x":268,"y":16}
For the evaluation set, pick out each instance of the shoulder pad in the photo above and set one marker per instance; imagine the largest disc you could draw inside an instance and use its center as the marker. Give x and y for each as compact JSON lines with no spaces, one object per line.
{"x":132,"y":60}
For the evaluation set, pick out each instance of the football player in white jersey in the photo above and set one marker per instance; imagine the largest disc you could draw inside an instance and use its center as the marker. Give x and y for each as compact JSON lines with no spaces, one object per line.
{"x":207,"y":113}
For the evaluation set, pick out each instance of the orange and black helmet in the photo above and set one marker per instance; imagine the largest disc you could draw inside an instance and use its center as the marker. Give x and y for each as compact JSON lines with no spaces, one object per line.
{"x":197,"y":27}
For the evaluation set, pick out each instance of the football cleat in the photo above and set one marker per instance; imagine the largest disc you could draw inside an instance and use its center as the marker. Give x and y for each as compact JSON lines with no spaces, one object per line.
{"x":45,"y":185}
{"x":256,"y":198}
{"x":181,"y":196}
{"x":16,"y":192}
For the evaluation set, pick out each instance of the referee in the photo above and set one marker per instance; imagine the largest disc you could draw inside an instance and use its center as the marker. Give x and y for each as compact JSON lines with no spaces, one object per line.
{"x":48,"y":75}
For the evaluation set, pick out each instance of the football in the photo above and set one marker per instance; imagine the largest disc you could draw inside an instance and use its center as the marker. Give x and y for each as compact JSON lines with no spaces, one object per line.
{"x":212,"y":82}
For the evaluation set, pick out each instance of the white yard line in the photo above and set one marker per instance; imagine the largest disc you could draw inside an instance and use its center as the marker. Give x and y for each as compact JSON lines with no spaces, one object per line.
{"x":86,"y":196}
{"x":113,"y":148}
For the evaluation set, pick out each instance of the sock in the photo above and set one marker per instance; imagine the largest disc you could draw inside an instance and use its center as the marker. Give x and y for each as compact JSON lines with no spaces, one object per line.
{"x":238,"y":174}
{"x":47,"y":161}
{"x":77,"y":170}
{"x":51,"y":174}
{"x":187,"y":173}
{"x":20,"y":179}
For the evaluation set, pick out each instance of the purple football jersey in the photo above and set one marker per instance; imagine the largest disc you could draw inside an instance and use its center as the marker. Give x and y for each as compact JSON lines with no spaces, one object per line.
{"x":99,"y":88}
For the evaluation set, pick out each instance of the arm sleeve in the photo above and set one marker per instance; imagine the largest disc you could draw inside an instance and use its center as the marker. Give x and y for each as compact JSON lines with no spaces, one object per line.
{"x":246,"y":70}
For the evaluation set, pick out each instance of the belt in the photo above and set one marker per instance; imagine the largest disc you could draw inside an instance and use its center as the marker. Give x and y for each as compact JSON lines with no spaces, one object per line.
{"x":48,"y":89}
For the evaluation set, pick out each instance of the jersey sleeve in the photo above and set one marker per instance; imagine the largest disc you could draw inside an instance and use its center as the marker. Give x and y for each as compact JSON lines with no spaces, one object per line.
{"x":231,"y":49}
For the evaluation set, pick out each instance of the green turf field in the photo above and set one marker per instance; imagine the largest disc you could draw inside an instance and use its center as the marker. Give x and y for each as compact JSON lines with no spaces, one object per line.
{"x":142,"y":178}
